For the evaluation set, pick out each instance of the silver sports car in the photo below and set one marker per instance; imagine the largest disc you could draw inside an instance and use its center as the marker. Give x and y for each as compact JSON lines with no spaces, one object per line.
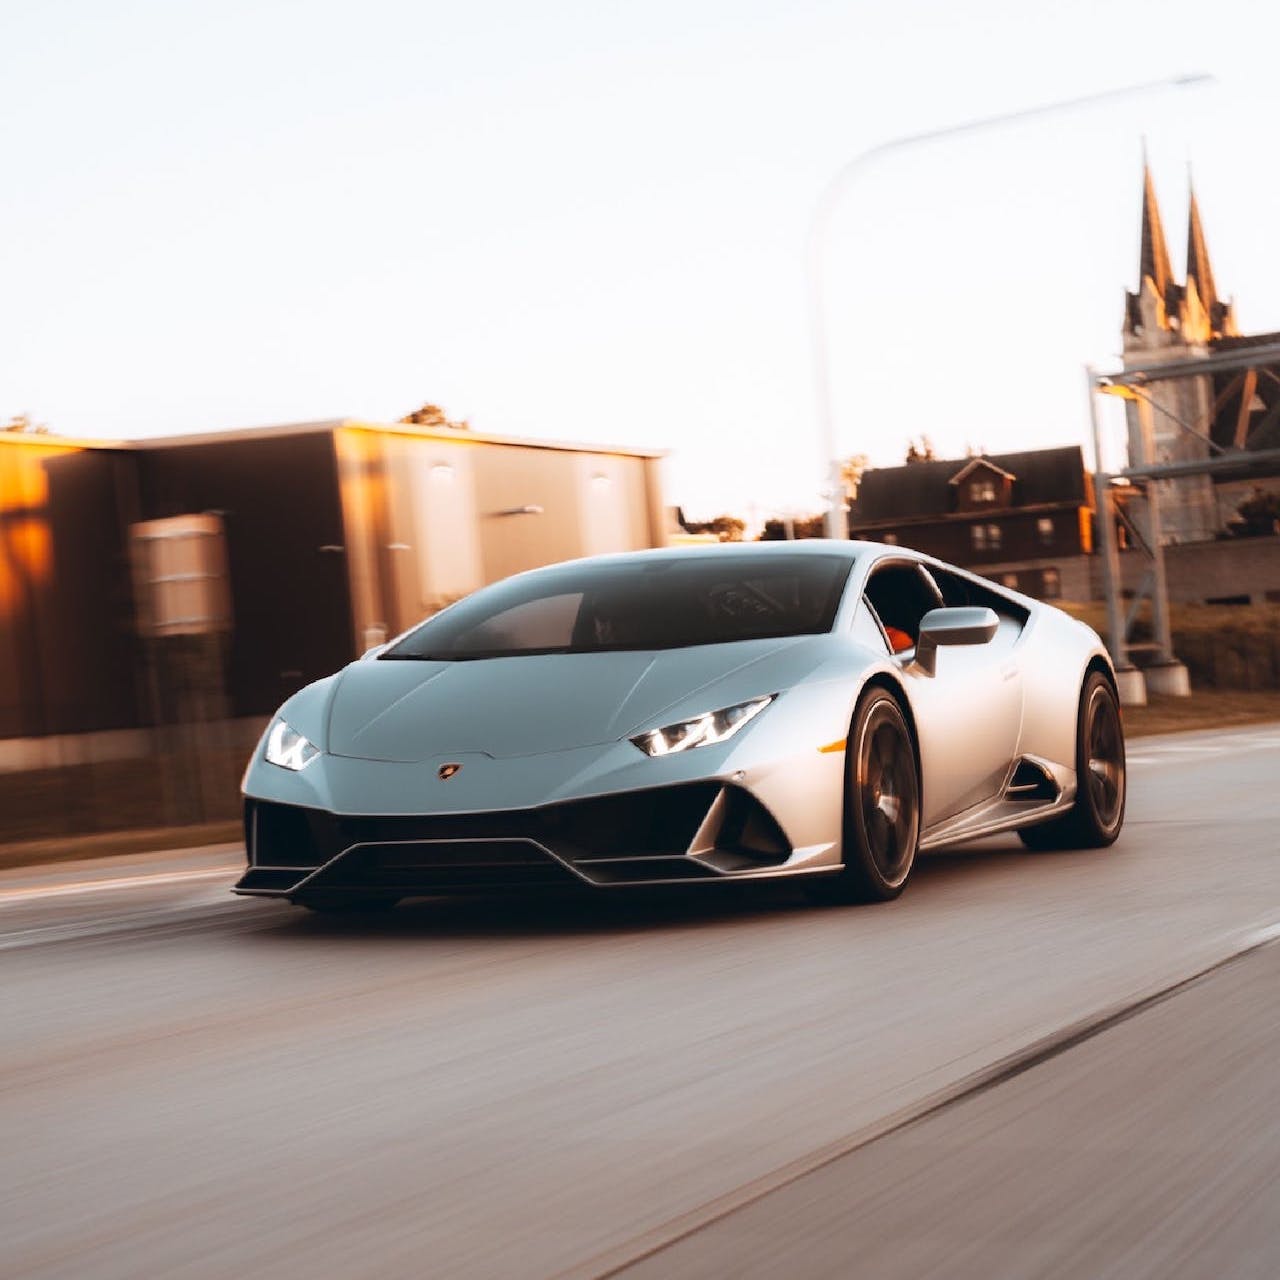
{"x":820,"y":710}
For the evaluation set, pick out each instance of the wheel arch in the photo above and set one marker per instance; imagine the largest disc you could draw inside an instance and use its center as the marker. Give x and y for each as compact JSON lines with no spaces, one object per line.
{"x":1098,"y":663}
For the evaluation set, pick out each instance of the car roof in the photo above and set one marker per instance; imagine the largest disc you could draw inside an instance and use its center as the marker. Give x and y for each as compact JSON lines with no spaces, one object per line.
{"x":844,"y":548}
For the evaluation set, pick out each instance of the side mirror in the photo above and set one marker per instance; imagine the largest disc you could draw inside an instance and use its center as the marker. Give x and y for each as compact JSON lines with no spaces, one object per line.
{"x":952,"y":626}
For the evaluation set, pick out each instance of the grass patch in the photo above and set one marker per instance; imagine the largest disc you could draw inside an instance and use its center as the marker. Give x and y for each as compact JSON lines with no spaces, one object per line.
{"x":1223,"y":646}
{"x":1189,"y":619}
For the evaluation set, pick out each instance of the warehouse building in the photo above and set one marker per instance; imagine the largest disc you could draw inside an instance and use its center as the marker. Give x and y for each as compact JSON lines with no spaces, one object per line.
{"x":207,"y":577}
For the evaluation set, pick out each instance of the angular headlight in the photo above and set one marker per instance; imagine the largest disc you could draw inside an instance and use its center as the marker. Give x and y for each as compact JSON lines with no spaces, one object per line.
{"x":288,"y":748}
{"x":703,"y":730}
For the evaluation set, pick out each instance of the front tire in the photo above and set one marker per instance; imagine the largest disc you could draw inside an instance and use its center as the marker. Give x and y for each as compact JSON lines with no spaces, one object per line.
{"x":1094,"y":821}
{"x":881,"y":805}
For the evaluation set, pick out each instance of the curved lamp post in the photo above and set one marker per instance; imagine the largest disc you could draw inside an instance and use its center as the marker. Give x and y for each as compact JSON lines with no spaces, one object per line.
{"x":820,"y":226}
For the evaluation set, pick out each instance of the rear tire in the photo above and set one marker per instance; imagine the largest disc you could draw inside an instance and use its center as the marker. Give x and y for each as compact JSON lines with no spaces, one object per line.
{"x":881,"y":806}
{"x":1095,"y":819}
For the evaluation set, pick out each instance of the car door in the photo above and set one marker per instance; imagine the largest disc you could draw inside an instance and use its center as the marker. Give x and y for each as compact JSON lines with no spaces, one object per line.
{"x":969,"y":712}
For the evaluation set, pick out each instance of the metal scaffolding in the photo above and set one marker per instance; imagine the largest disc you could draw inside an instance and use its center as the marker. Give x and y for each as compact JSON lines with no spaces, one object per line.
{"x":1236,"y":462}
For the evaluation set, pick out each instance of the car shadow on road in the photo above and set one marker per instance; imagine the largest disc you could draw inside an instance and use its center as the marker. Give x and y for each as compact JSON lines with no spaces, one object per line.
{"x":593,"y":912}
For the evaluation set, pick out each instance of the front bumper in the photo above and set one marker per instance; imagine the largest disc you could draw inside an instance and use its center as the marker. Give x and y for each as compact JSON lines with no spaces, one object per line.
{"x":664,"y":835}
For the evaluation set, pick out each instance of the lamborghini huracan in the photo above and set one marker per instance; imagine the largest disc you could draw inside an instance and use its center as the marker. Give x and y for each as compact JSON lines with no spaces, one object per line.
{"x":818,"y":710}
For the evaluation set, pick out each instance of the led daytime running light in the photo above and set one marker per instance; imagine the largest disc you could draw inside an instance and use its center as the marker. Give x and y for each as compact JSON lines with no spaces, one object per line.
{"x":287,"y":748}
{"x":701,"y":731}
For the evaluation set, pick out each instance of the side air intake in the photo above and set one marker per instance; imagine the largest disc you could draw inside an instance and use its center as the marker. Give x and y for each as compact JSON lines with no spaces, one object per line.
{"x":1031,"y":781}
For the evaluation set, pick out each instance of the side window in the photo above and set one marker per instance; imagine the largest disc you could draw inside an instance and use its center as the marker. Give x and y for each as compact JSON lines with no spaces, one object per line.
{"x":901,"y":594}
{"x":957,"y":592}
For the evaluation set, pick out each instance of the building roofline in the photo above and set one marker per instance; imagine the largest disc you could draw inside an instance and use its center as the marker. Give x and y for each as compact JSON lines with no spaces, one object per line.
{"x":974,"y":463}
{"x":283,"y":430}
{"x":286,"y":429}
{"x":47,"y":439}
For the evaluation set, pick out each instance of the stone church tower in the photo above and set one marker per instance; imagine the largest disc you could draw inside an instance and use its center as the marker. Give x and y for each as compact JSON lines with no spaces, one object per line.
{"x":1167,"y":322}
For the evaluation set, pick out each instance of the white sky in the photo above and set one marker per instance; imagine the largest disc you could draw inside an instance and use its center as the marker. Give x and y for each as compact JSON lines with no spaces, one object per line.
{"x":587,"y":220}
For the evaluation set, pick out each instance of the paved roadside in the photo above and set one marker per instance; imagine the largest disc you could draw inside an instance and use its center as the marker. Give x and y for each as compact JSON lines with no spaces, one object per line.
{"x":1149,"y":1150}
{"x":199,"y":1085}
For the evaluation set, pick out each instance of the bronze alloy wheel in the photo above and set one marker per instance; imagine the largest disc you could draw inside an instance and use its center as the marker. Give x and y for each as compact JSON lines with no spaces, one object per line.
{"x":886,"y":793}
{"x":1094,"y":821}
{"x":1104,"y":750}
{"x":882,"y":806}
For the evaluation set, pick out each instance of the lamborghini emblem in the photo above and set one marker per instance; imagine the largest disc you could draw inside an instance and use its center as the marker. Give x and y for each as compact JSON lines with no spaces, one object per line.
{"x":446,"y":771}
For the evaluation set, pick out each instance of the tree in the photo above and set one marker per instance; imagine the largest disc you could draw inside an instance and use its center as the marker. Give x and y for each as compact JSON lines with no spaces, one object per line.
{"x":726,"y":528}
{"x":775,"y":530}
{"x":851,"y":472}
{"x":432,"y":415}
{"x":924,"y":453}
{"x":1260,"y":512}
{"x":21,"y":422}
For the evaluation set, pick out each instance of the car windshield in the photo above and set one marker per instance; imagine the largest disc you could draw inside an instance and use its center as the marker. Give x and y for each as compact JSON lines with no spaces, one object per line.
{"x":644,"y":603}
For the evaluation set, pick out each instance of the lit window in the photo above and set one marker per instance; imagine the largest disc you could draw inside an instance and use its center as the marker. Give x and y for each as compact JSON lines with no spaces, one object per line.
{"x":982,"y":491}
{"x":993,"y":536}
{"x":1044,"y":527}
{"x":1050,"y":584}
{"x":890,"y":539}
{"x":979,"y":534}
{"x":1009,"y":580}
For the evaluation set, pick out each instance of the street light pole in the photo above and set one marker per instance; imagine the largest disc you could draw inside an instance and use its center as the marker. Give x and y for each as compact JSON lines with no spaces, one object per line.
{"x":817,"y":243}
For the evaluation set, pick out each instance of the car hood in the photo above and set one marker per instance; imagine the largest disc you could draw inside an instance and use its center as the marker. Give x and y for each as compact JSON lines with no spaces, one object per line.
{"x":412,"y":710}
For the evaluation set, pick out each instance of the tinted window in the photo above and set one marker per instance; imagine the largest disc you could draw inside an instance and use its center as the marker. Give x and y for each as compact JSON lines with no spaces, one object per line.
{"x":901,"y":595}
{"x":591,"y":607}
{"x":958,"y":592}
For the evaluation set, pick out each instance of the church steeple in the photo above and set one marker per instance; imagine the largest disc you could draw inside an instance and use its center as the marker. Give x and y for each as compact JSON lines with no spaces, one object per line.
{"x":1198,"y":266}
{"x":1154,"y":258}
{"x":1164,"y":312}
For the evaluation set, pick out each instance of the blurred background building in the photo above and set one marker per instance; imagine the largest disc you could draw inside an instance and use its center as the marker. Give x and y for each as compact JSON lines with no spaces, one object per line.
{"x":1020,"y":518}
{"x":159,"y":599}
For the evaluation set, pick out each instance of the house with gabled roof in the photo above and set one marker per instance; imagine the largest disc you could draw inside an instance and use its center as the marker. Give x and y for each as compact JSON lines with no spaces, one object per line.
{"x":1015,"y":517}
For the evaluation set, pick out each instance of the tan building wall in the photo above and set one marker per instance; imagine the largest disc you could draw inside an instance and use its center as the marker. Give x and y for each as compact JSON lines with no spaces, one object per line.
{"x":432,"y":516}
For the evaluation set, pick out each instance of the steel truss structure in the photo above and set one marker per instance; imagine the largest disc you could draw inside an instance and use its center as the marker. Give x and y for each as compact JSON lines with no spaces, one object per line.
{"x":1238,"y":462}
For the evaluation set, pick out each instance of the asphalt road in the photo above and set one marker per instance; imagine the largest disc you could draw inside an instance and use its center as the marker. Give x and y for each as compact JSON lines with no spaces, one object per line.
{"x":193,"y":1085}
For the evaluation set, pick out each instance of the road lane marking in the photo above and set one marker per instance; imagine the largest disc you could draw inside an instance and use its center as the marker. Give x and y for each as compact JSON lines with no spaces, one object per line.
{"x":8,"y":896}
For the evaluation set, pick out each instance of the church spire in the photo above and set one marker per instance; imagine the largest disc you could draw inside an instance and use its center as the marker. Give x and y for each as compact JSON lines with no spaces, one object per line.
{"x":1154,"y":261}
{"x":1198,"y":266}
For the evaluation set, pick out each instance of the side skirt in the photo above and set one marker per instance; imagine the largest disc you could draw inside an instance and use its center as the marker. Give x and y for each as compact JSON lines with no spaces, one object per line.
{"x":994,"y":816}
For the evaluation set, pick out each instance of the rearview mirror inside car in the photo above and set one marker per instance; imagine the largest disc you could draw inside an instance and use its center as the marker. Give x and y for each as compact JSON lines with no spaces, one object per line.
{"x":951,"y":627}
